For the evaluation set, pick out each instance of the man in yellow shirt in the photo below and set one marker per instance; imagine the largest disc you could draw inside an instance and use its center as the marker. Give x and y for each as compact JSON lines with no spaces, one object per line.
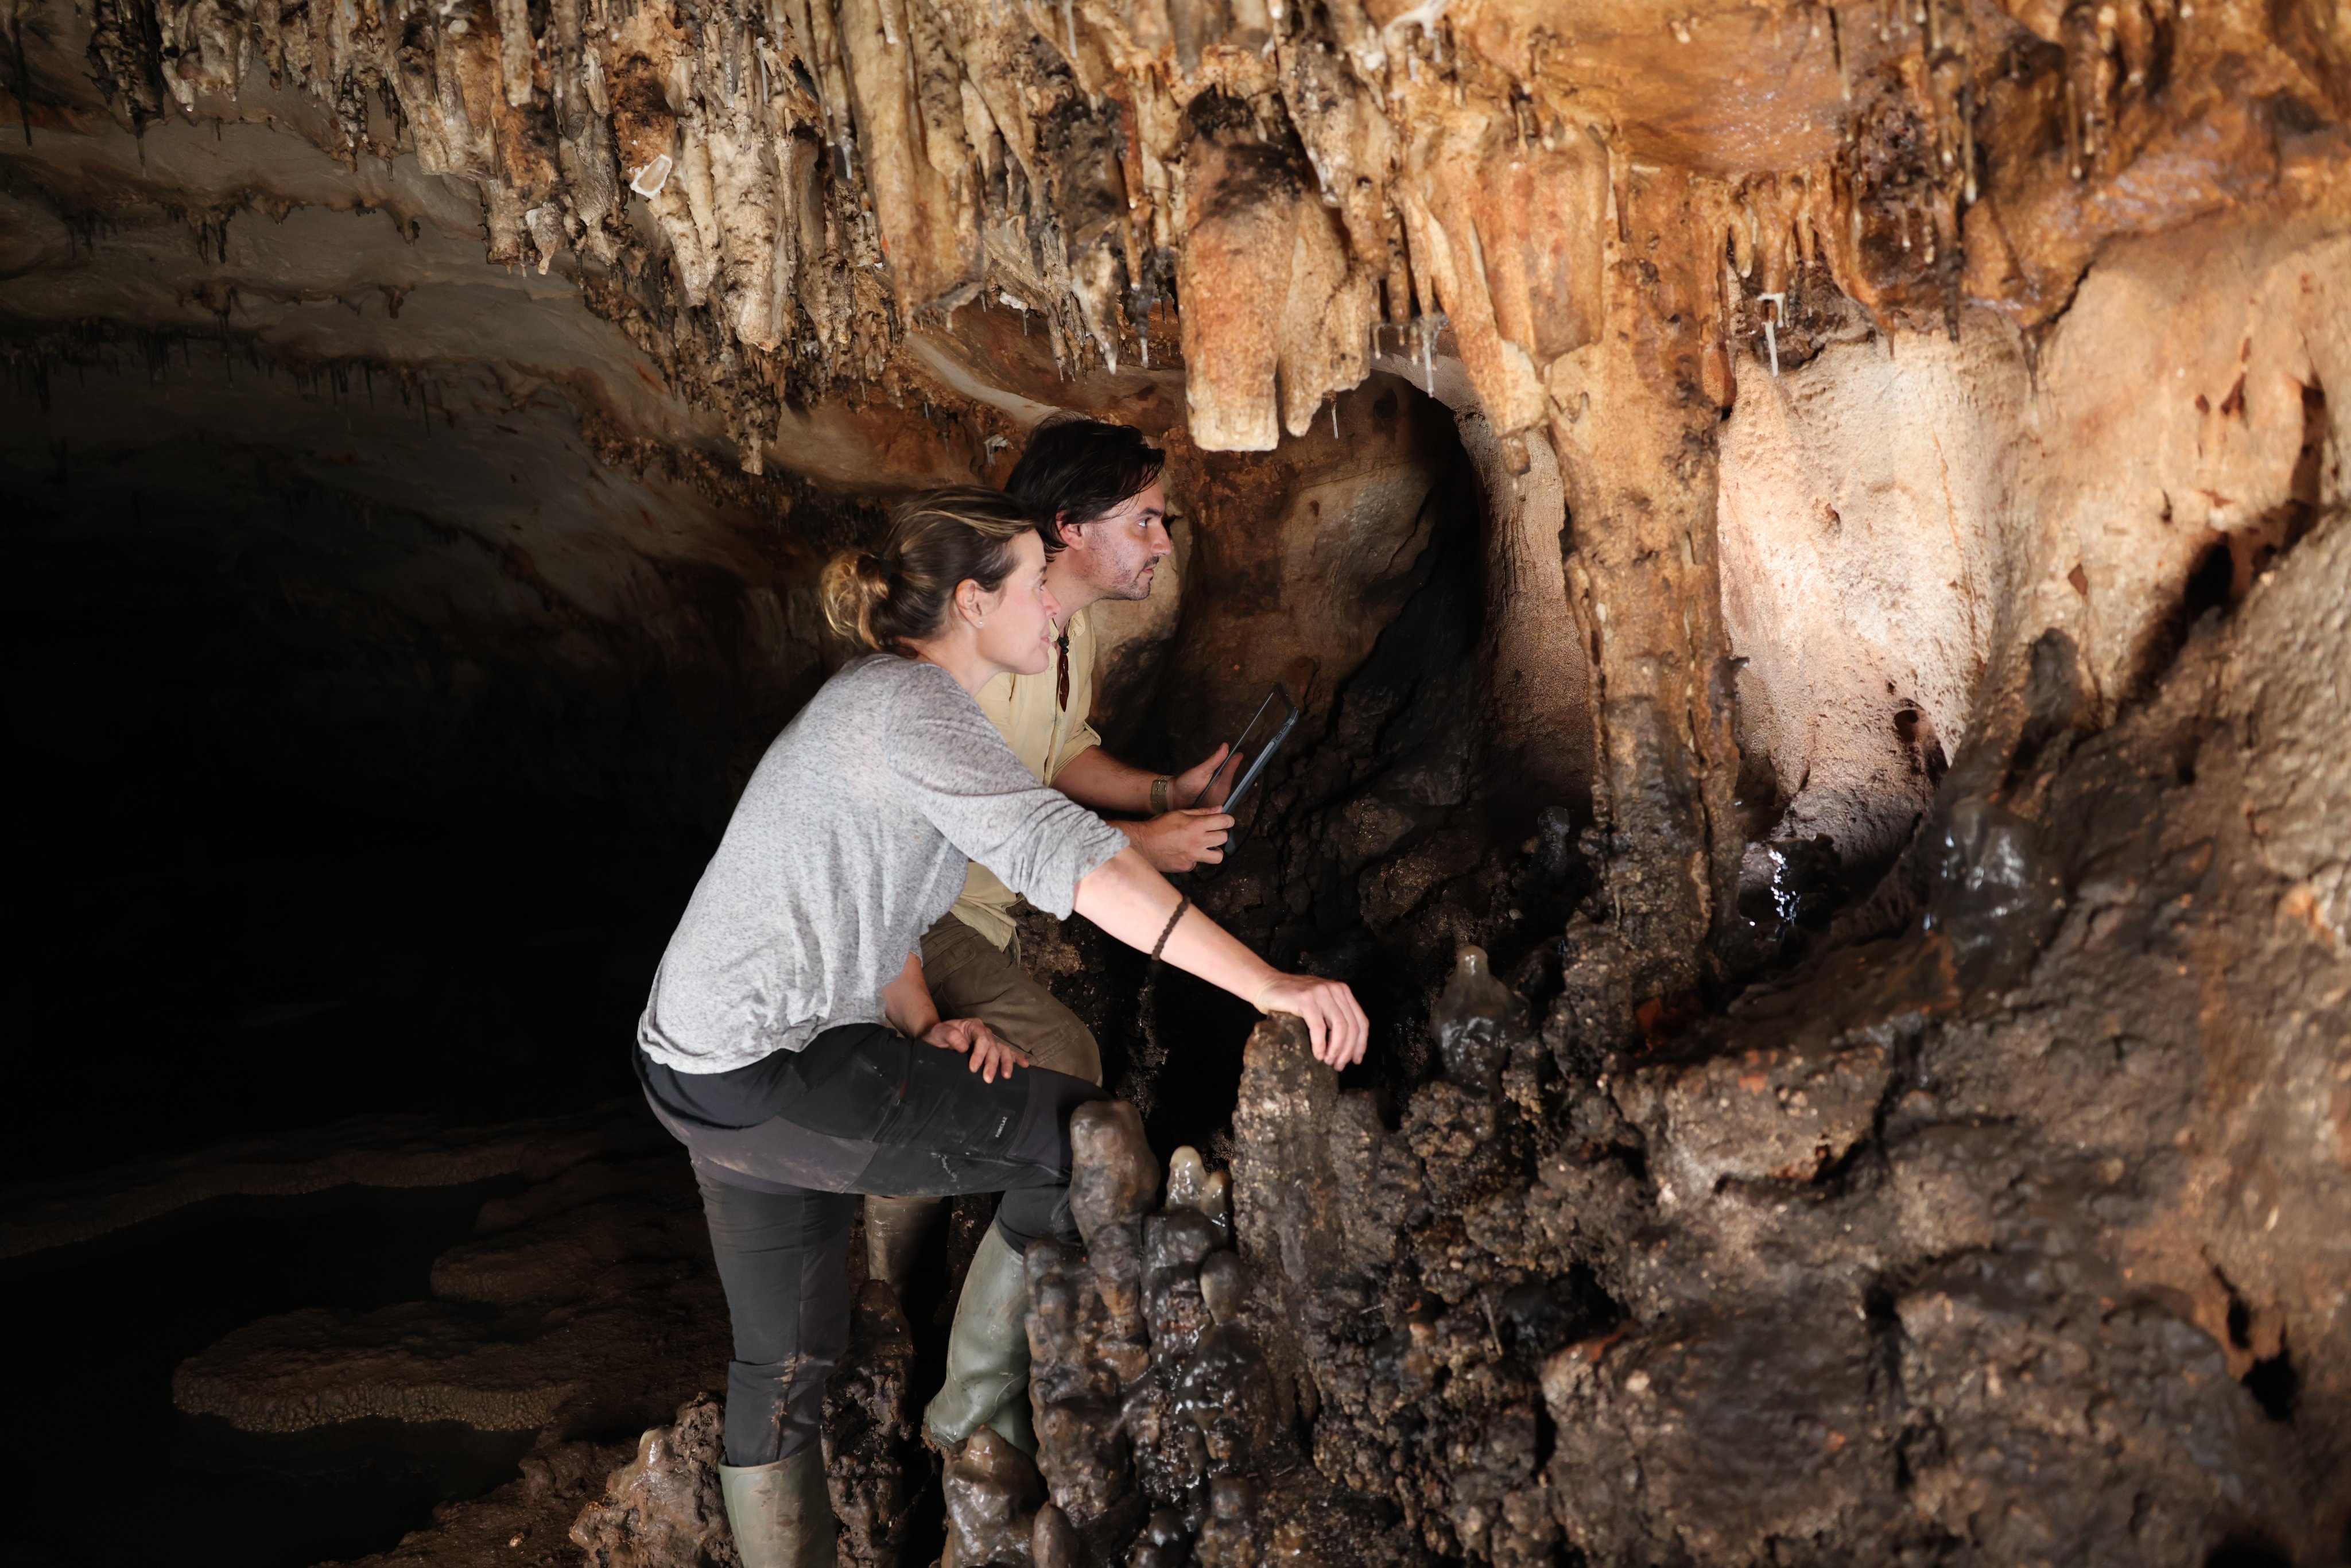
{"x":1100,"y":484}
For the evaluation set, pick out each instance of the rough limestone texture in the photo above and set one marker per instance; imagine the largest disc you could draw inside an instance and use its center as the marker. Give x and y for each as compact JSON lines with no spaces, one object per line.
{"x":689,"y":282}
{"x":664,"y":1507}
{"x":1164,"y":1436}
{"x":770,"y":199}
{"x":871,"y":1452}
{"x":1902,"y":516}
{"x":526,"y":1523}
{"x":2017,"y":1237}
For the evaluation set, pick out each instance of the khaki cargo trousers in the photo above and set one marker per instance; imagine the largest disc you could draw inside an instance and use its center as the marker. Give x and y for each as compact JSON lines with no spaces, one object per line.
{"x":970,"y":980}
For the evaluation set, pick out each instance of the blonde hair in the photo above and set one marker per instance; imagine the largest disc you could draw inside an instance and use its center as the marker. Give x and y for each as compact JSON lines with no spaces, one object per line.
{"x":899,"y":592}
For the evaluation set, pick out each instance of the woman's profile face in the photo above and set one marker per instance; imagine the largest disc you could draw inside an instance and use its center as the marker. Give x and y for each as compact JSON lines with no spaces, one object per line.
{"x":1019,"y":621}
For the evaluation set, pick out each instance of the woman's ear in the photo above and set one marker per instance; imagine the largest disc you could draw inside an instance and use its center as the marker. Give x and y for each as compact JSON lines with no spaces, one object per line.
{"x":971,"y":602}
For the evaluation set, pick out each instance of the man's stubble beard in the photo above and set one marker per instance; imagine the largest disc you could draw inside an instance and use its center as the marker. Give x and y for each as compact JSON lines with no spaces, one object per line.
{"x":1138,"y":585}
{"x":1135,"y":585}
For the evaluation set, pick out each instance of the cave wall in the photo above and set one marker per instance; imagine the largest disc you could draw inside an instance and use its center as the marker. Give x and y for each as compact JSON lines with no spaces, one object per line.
{"x":872,"y":246}
{"x":1904,"y":517}
{"x":2017,"y":1238}
{"x":1652,"y":443}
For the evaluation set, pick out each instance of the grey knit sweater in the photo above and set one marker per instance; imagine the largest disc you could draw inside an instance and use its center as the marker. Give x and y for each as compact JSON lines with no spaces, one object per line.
{"x":851,"y":839}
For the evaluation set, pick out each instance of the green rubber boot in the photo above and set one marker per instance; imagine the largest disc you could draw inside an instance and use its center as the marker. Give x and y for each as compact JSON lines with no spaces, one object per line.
{"x":987,"y":1353}
{"x":781,"y":1513}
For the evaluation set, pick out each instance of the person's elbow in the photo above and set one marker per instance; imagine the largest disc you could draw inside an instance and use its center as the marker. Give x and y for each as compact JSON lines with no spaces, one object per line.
{"x":1126,"y":870}
{"x":1127,"y":866}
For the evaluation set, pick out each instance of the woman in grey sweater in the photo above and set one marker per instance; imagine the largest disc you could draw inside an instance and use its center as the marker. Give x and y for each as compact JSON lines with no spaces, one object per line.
{"x":791,"y":1046}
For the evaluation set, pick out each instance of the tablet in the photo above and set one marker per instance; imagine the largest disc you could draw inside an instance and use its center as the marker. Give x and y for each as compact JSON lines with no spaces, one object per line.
{"x":1266,"y":744}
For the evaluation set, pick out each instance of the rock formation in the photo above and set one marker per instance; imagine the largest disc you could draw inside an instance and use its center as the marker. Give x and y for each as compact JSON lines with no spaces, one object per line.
{"x":1811,"y":537}
{"x":2013,"y":1238}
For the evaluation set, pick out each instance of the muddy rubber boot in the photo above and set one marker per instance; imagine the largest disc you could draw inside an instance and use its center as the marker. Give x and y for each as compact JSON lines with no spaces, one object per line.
{"x":987,"y":1354}
{"x":781,"y":1513}
{"x":897,"y":1230}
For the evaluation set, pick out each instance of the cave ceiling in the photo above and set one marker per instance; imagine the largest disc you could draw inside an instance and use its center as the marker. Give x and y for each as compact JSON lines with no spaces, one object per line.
{"x":1817,"y":527}
{"x":668,"y":276}
{"x":738,"y":229}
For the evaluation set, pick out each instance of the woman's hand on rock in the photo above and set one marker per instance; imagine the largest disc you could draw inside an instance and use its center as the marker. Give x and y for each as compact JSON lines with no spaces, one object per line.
{"x":1334,"y":1019}
{"x":990,"y":1055}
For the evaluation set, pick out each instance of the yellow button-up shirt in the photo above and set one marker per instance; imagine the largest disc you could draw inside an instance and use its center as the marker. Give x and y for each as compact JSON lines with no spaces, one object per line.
{"x":1045,"y":736}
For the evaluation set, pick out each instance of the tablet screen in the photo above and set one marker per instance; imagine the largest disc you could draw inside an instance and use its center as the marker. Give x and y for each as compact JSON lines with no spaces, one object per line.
{"x":1258,"y":742}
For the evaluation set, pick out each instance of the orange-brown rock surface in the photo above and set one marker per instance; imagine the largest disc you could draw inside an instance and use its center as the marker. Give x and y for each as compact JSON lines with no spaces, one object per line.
{"x":1814,"y":531}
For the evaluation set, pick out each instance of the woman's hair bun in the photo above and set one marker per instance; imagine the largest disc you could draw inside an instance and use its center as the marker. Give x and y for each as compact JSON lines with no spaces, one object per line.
{"x":885,"y":597}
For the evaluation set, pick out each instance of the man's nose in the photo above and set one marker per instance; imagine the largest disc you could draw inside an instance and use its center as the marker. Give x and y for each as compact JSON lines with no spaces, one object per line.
{"x":1160,"y":543}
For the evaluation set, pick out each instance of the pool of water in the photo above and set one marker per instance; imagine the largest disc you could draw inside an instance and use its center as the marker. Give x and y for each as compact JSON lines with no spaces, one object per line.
{"x":105,"y":1473}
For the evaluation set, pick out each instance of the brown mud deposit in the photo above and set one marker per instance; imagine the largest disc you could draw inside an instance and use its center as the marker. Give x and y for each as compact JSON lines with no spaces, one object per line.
{"x":1813,"y":535}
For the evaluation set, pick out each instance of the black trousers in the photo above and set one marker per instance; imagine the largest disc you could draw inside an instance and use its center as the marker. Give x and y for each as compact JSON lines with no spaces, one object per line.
{"x":862,"y":1110}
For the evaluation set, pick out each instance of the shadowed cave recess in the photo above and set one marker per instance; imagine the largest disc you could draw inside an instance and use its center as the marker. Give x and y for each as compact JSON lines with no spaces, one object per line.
{"x":1811,"y":537}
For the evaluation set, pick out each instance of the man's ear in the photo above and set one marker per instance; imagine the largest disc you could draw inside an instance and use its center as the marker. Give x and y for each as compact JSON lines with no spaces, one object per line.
{"x":1069,"y":530}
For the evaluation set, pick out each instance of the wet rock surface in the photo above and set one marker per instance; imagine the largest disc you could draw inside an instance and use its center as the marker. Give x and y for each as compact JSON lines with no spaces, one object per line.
{"x":1165,"y":1434}
{"x":871,"y":1443}
{"x":1955,"y":1246}
{"x":664,"y":1509}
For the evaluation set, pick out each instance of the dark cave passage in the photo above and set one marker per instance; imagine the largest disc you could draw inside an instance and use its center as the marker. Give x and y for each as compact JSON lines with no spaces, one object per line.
{"x":336,"y":814}
{"x":348,"y":811}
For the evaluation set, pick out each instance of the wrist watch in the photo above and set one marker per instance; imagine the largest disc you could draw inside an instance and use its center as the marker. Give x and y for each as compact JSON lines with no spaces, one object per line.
{"x":1159,"y":788}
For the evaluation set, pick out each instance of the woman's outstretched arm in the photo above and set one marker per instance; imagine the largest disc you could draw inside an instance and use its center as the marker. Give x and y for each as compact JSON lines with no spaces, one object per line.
{"x":1132,"y":902}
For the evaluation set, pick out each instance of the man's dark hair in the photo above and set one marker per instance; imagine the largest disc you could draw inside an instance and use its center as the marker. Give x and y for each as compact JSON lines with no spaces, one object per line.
{"x":1077,"y":468}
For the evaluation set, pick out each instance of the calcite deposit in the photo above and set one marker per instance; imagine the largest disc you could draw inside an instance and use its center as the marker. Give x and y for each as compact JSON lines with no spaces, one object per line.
{"x":1810,"y":539}
{"x":1164,"y":1432}
{"x":2014,"y":1237}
